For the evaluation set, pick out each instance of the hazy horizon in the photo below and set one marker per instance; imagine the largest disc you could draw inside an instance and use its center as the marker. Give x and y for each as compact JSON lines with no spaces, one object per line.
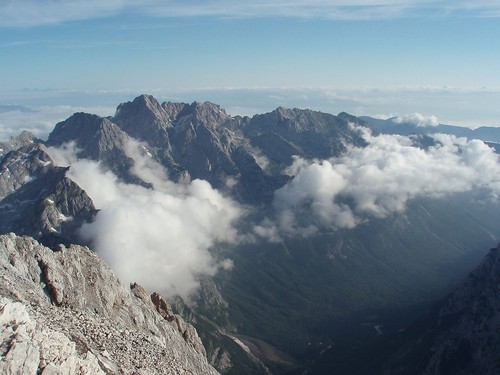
{"x":378,"y":58}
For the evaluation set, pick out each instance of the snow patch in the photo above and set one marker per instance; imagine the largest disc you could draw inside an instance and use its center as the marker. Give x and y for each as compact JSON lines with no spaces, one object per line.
{"x":63,"y":217}
{"x":43,"y":163}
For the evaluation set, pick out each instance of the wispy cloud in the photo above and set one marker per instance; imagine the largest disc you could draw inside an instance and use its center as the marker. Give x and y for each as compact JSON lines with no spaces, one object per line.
{"x":25,"y":13}
{"x":15,"y":44}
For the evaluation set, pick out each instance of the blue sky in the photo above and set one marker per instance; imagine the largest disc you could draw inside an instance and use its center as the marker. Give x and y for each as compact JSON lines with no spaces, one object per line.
{"x":365,"y":57}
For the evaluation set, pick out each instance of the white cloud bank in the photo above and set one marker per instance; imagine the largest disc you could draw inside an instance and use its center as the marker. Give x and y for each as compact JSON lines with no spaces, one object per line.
{"x":41,"y":120}
{"x":158,"y":237}
{"x":378,"y":180}
{"x":417,"y":119}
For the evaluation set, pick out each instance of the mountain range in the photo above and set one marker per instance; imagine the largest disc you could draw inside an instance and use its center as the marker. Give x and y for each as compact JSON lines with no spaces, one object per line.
{"x":280,"y":236}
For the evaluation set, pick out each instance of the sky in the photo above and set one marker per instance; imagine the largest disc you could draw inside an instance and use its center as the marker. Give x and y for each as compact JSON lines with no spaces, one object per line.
{"x":435,"y":58}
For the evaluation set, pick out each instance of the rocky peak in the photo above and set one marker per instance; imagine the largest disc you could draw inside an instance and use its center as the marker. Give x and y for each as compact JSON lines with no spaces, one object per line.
{"x":95,"y":138}
{"x":202,"y":143}
{"x":287,"y":113}
{"x":203,"y":115}
{"x":21,"y":166}
{"x":286,"y":120}
{"x":173,"y":109}
{"x":209,"y":113}
{"x":352,"y":119}
{"x":92,"y":134}
{"x":283,"y":133}
{"x":37,"y":199}
{"x":77,"y":125}
{"x":24,"y":139}
{"x":143,"y":103}
{"x":144,"y":119}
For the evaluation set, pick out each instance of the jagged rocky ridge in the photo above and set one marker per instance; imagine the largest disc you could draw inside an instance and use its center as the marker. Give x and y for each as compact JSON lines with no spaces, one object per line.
{"x":66,"y":312}
{"x":197,"y":140}
{"x":37,"y":199}
{"x":24,"y":139}
{"x":200,"y":140}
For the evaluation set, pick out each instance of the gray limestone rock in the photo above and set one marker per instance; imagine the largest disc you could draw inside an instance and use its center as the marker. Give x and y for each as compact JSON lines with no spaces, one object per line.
{"x":469,"y":322}
{"x":145,"y":120}
{"x":79,"y":318}
{"x":22,"y":166}
{"x":37,"y":199}
{"x":284,"y":132}
{"x":202,"y":144}
{"x":95,"y":138}
{"x":26,"y":138}
{"x":31,"y":347}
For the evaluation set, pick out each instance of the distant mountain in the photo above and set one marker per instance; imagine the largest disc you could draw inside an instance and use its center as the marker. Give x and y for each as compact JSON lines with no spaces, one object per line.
{"x":200,"y":140}
{"x":284,"y":133}
{"x":389,"y":126}
{"x":14,"y":108}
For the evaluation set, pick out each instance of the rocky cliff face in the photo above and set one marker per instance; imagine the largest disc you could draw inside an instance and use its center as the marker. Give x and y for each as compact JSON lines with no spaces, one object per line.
{"x":468,"y":325}
{"x":95,"y":138}
{"x":202,"y":144}
{"x":460,"y":335}
{"x":284,"y":133}
{"x":146,"y":120}
{"x":37,"y":199}
{"x":66,"y":312}
{"x":24,"y":139}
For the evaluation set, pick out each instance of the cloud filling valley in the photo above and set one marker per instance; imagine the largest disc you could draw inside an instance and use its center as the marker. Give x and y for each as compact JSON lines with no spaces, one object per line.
{"x":379,"y":180}
{"x":160,"y":236}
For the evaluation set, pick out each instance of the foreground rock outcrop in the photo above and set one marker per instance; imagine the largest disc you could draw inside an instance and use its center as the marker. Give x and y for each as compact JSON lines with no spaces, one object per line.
{"x":66,"y":312}
{"x":467,"y":327}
